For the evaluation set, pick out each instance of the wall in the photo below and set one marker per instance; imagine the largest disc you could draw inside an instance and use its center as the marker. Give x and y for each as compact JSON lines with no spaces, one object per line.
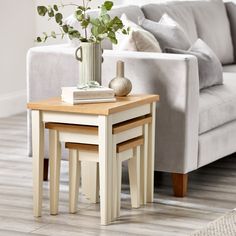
{"x":20,"y":24}
{"x":17,"y":34}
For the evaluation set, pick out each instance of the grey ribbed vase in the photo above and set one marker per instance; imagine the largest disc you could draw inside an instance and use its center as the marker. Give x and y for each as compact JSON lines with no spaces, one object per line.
{"x":89,"y":56}
{"x":121,"y":85}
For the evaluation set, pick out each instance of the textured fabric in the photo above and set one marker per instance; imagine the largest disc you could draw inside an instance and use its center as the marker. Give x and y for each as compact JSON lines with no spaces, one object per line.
{"x":230,"y":68}
{"x":209,"y":17}
{"x":183,"y":15}
{"x":137,"y":40}
{"x":167,"y":32}
{"x":231,"y":10}
{"x":175,"y":78}
{"x":218,"y":104}
{"x":209,"y":66}
{"x":132,"y":12}
{"x":225,"y":225}
{"x":48,"y":69}
{"x":217,"y":143}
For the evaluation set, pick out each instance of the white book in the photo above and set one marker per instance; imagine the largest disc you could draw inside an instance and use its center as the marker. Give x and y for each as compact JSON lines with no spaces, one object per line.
{"x":73,"y":93}
{"x":83,"y":101}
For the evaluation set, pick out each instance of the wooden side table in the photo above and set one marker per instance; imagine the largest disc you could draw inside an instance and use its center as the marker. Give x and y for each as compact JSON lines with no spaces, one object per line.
{"x":104,"y":116}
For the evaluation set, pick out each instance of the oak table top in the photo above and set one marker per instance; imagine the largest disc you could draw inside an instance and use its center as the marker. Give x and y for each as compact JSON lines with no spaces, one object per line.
{"x":122,"y":104}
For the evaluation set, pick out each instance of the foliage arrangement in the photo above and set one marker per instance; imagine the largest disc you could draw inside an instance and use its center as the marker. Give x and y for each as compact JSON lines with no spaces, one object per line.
{"x":101,"y":27}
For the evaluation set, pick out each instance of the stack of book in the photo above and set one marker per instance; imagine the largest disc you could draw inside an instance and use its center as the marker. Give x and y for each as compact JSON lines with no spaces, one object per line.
{"x":74,"y":96}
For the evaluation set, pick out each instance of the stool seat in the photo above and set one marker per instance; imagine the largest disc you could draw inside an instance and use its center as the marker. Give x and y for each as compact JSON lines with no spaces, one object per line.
{"x":121,"y":147}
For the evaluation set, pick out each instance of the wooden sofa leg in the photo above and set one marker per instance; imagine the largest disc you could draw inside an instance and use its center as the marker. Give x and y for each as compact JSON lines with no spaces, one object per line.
{"x":45,"y":169}
{"x":180,"y":184}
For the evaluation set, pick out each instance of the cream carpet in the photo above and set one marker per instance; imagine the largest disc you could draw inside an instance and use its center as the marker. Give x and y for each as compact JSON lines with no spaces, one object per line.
{"x":224,"y":226}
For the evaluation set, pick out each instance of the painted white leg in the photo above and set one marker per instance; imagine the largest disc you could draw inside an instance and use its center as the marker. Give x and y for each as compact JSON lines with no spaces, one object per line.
{"x":90,"y":180}
{"x":55,"y":164}
{"x":151,"y":155}
{"x":105,"y":168}
{"x":38,"y":156}
{"x":119,"y":184}
{"x":114,"y":184}
{"x":74,"y":180}
{"x":143,"y":173}
{"x":134,"y":178}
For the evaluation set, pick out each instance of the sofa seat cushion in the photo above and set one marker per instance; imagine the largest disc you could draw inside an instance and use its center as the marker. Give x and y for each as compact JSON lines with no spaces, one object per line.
{"x":200,"y":19}
{"x":217,"y":105}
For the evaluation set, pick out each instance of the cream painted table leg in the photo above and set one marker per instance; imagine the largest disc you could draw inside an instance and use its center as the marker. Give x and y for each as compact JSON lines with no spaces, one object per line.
{"x":134,"y":178}
{"x":105,"y":168}
{"x":55,"y":166}
{"x":38,"y":157}
{"x":151,"y":154}
{"x":90,"y":180}
{"x":74,"y":179}
{"x":144,"y":166}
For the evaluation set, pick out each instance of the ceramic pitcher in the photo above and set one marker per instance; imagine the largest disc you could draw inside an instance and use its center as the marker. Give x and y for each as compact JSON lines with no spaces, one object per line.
{"x":90,"y":59}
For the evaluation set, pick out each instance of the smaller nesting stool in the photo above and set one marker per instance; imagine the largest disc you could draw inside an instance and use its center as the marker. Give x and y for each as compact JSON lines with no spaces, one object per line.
{"x":129,"y":150}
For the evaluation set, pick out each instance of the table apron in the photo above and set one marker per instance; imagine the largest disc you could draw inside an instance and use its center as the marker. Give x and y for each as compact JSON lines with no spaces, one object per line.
{"x":70,"y":118}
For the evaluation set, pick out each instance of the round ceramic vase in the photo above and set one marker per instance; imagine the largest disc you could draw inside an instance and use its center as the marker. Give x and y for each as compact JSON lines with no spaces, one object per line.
{"x":121,"y":85}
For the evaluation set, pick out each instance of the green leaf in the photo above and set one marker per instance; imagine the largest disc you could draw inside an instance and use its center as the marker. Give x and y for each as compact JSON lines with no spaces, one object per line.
{"x":103,"y":10}
{"x":113,"y":40}
{"x":42,"y":10}
{"x":78,"y":15}
{"x":95,"y":21}
{"x":106,"y":18}
{"x":82,"y":8}
{"x":53,"y":34}
{"x":65,"y":28}
{"x":85,"y":23}
{"x":39,"y":40}
{"x":55,"y":7}
{"x":111,"y":34}
{"x":108,"y":5}
{"x":58,"y":18}
{"x":101,"y":29}
{"x":94,"y":31}
{"x":51,"y":13}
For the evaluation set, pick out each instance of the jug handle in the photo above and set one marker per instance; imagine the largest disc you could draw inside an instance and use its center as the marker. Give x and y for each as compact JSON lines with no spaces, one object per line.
{"x":76,"y":53}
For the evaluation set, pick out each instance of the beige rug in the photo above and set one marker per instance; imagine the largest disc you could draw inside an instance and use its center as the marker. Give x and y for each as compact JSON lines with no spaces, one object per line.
{"x":224,"y":226}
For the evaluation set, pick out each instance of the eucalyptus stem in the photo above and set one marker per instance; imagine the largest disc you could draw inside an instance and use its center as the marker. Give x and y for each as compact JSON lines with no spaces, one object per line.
{"x":85,"y":29}
{"x":69,"y":4}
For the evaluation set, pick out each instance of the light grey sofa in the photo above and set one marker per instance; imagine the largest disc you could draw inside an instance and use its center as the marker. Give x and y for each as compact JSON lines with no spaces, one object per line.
{"x":193,"y":128}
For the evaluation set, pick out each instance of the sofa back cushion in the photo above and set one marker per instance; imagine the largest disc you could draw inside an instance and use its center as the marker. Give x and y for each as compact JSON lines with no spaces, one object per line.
{"x":200,"y":19}
{"x":231,"y":10}
{"x":132,"y":12}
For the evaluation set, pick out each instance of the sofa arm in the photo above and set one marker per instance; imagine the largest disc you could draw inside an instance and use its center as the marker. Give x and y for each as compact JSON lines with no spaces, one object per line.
{"x":48,"y":69}
{"x":175,"y":78}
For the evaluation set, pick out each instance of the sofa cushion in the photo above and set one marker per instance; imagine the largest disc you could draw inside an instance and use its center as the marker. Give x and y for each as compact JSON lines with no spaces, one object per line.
{"x":167,"y":32}
{"x":217,"y":104}
{"x":231,"y":10}
{"x":183,"y":15}
{"x":132,"y":12}
{"x":209,"y":66}
{"x":137,"y":40}
{"x":211,"y":23}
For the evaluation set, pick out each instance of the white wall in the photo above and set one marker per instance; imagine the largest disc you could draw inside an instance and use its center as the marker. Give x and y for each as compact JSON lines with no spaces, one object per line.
{"x":17,"y":34}
{"x":20,"y":24}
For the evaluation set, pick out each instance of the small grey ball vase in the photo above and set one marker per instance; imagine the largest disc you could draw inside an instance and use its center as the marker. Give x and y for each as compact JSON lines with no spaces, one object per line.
{"x":121,"y":85}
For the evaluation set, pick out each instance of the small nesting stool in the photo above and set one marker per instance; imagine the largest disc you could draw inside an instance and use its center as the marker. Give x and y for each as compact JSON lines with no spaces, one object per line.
{"x":125,"y":134}
{"x":128,"y":150}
